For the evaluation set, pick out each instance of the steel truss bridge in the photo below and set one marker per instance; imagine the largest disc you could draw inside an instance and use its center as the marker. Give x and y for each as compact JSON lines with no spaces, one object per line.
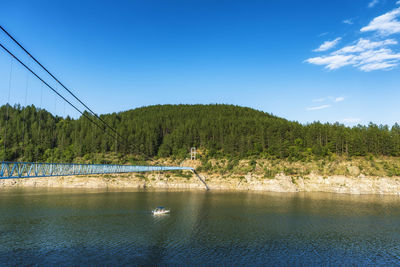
{"x":10,"y":170}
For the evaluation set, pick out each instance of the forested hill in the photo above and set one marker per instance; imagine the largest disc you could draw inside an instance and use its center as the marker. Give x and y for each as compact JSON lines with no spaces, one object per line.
{"x":170,"y":130}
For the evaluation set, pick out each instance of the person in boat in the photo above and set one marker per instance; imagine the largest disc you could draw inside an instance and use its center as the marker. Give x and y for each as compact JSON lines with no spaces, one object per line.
{"x":160,"y":210}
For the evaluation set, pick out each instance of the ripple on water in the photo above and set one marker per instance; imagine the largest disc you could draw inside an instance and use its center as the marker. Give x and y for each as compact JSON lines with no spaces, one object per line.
{"x":207,"y":229}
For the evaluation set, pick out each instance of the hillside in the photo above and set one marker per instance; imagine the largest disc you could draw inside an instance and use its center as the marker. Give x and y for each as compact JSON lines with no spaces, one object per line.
{"x":32,"y":134}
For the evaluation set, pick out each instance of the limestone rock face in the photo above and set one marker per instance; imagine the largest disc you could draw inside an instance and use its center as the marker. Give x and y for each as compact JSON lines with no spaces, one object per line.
{"x":280,"y":183}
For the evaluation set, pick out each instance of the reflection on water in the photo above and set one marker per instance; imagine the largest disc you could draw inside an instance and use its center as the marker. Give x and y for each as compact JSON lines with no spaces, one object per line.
{"x":76,"y":226}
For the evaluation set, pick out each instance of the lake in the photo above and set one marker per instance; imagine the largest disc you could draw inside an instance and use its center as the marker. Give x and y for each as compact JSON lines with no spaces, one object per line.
{"x":100,"y":227}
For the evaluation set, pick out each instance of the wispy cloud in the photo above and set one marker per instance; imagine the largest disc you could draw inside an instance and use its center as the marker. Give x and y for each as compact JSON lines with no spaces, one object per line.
{"x":328,"y":99}
{"x":328,"y":45}
{"x":319,"y":99}
{"x":326,"y":102}
{"x":365,"y":45}
{"x":365,"y":55}
{"x":348,"y":21}
{"x":319,"y":107}
{"x":373,"y":3}
{"x":385,"y":24}
{"x":350,"y":120}
{"x":331,"y":62}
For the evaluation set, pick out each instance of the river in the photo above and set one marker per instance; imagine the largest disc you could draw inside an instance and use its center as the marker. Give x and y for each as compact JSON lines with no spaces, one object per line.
{"x":101,"y":227}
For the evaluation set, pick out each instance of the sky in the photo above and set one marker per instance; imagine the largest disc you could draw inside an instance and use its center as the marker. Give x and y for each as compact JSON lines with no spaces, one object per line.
{"x":328,"y":61}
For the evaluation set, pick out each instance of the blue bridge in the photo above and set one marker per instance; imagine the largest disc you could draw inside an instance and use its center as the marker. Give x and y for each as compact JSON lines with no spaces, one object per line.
{"x":35,"y":169}
{"x":15,"y":170}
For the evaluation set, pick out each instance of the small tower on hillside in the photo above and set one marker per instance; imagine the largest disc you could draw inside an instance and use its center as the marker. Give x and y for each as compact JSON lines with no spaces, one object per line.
{"x":193,"y":153}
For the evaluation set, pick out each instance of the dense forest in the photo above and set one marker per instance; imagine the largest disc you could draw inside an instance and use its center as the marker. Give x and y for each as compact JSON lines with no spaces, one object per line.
{"x":32,"y":134}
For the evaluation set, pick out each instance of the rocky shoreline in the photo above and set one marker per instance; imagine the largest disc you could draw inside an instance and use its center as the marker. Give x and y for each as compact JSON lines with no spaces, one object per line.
{"x":280,"y":183}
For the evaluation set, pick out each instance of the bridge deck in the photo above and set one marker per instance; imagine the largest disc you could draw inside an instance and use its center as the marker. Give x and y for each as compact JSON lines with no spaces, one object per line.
{"x":34,"y":169}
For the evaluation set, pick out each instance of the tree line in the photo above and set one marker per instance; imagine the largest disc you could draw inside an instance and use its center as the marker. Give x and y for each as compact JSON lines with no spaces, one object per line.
{"x":33,"y":134}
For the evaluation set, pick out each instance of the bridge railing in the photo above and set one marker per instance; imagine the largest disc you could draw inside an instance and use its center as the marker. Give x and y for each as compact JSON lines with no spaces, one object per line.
{"x":35,"y":169}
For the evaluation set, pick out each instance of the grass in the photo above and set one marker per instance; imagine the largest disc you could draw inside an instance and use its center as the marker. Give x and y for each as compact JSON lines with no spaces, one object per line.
{"x":336,"y":165}
{"x":141,"y":176}
{"x":268,"y":167}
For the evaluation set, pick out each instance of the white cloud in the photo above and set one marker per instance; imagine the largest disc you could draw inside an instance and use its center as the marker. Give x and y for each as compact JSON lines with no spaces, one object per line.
{"x":378,"y":56}
{"x":364,"y":45}
{"x":385,"y":24}
{"x":378,"y":66}
{"x":329,"y":99}
{"x":349,"y":21}
{"x":373,"y":3}
{"x":351,"y":120}
{"x":319,"y":99}
{"x":331,"y":62}
{"x":398,"y":2}
{"x":365,"y":55}
{"x":328,"y":45}
{"x":319,"y":107}
{"x":325,"y":102}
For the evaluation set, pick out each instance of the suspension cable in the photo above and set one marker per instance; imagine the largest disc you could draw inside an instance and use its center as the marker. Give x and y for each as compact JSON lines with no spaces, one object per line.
{"x":69,"y":91}
{"x":24,"y":113}
{"x":7,"y":107}
{"x":54,"y":128}
{"x":40,"y":119}
{"x":54,"y":90}
{"x":63,"y":130}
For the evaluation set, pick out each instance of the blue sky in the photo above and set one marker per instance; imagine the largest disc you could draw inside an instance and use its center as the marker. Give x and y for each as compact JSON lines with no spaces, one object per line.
{"x":301,"y":60}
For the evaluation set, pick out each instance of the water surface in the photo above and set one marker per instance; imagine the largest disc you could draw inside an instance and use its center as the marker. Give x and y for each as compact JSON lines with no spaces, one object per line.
{"x":99,"y":227}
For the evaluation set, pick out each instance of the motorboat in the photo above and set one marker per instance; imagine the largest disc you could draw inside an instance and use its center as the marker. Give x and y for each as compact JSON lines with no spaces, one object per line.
{"x":160,"y":210}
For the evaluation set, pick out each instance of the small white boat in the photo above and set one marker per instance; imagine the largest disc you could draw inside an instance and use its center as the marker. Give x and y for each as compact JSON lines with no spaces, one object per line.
{"x":159,"y":211}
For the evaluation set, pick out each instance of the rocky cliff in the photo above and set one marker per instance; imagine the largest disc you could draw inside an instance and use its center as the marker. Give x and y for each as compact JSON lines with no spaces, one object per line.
{"x":280,"y":183}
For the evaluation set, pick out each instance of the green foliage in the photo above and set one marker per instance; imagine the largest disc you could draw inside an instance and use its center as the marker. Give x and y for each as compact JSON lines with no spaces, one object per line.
{"x":182,"y":174}
{"x":32,"y":134}
{"x":270,"y":173}
{"x":141,"y":176}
